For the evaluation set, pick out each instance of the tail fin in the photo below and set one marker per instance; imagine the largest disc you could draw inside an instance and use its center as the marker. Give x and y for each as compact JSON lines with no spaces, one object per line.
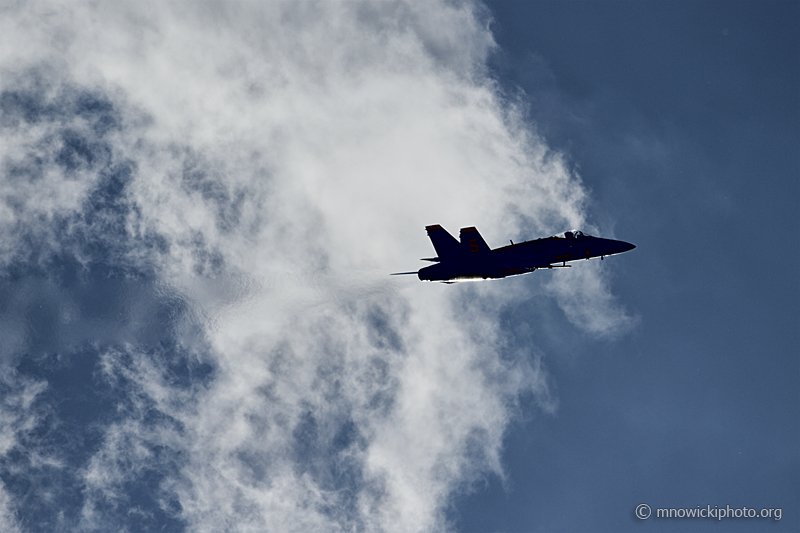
{"x":447,"y":248}
{"x":472,"y":242}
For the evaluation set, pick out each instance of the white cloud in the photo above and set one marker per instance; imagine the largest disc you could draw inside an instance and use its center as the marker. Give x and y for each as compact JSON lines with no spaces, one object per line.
{"x":17,"y":418}
{"x":584,"y":296}
{"x":284,"y":158}
{"x":7,"y":520}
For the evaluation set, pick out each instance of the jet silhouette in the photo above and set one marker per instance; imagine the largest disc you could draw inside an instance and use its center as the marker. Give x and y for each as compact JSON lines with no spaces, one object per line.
{"x":473,"y":259}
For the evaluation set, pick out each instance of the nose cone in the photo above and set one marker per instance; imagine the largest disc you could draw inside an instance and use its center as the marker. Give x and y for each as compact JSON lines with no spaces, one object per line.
{"x":611,"y":247}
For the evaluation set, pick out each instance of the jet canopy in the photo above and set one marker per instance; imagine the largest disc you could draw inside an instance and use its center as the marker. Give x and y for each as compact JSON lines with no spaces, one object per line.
{"x":574,"y":234}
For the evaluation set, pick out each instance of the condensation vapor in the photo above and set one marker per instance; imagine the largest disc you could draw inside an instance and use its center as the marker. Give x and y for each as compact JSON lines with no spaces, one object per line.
{"x":199,"y":204}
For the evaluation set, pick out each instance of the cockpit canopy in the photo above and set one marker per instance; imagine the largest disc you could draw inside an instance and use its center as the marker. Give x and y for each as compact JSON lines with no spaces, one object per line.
{"x":574,"y":234}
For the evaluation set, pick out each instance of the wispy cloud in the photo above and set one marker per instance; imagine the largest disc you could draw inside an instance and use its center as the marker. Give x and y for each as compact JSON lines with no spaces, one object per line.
{"x":585,"y":297}
{"x":216,"y":193}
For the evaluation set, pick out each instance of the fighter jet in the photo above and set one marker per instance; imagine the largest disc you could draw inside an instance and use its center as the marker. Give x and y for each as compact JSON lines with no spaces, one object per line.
{"x":472,"y":258}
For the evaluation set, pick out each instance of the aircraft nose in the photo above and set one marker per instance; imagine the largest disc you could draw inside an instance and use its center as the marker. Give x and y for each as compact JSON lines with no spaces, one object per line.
{"x":625,"y":246}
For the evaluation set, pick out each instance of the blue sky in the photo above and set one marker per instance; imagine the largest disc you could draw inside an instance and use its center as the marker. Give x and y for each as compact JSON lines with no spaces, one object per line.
{"x":200,"y":204}
{"x":682,"y":119}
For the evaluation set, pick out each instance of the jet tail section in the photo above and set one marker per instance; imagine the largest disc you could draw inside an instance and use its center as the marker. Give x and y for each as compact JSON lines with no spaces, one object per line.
{"x":472,"y":242}
{"x":447,"y":247}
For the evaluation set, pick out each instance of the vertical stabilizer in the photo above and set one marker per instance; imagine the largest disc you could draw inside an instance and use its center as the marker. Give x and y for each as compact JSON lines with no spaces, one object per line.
{"x":447,"y":247}
{"x":472,"y":242}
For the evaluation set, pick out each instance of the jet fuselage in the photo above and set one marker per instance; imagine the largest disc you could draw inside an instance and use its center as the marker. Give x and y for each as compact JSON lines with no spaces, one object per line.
{"x":472,"y":259}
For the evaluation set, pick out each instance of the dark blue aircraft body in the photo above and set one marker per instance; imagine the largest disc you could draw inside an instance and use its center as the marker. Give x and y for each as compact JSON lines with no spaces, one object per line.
{"x":471,"y":258}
